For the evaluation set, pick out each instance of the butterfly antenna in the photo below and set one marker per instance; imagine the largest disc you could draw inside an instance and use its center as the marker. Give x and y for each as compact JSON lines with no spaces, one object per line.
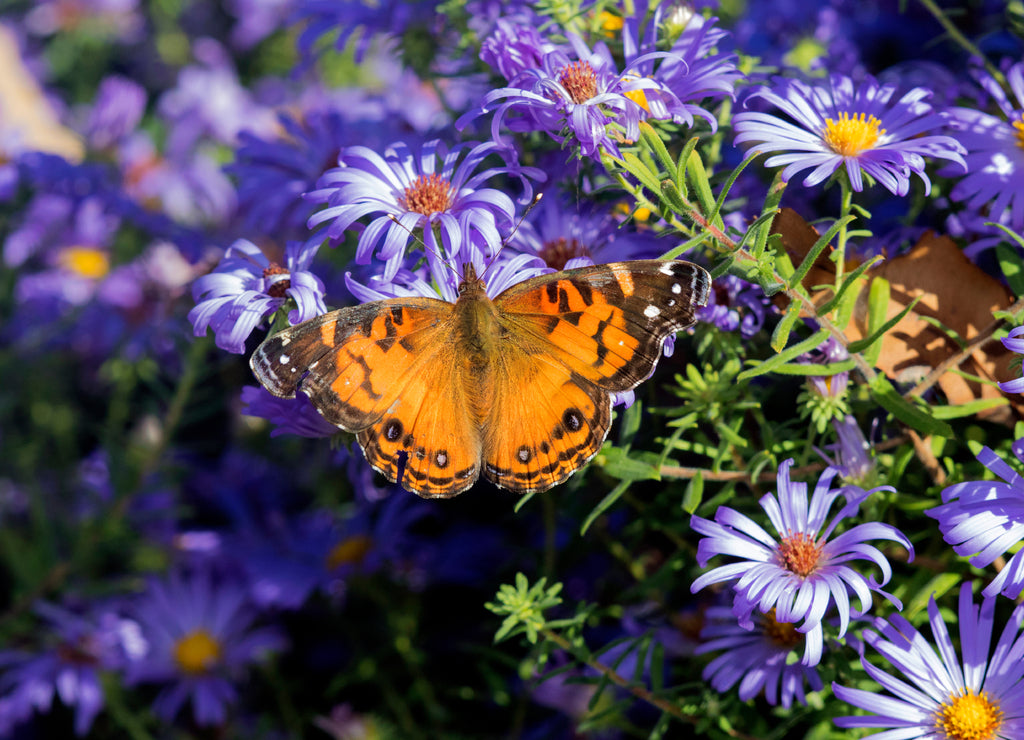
{"x":427,"y":247}
{"x":507,"y":239}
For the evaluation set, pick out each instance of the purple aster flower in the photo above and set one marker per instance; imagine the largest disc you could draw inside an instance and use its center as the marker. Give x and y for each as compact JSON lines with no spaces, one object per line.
{"x":273,"y":173}
{"x":435,"y":192}
{"x":804,"y":572}
{"x":735,"y":304}
{"x":286,"y":415}
{"x":256,"y":19}
{"x":344,"y":18}
{"x":994,"y":183}
{"x":757,"y":659}
{"x":209,"y":101}
{"x":582,"y":101}
{"x":851,"y":453}
{"x":200,"y":636}
{"x":856,"y":126}
{"x":1014,"y":342}
{"x":984,"y":519}
{"x":120,"y":103}
{"x":79,"y":647}
{"x":512,"y":48}
{"x":692,"y":71}
{"x":246,"y":287}
{"x":941,"y":696}
{"x":566,"y":235}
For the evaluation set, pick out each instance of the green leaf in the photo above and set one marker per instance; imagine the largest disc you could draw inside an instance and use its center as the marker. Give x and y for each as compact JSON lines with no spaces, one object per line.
{"x":848,"y":281}
{"x":1012,"y":266}
{"x":968,"y":409}
{"x":604,"y":505}
{"x":878,"y":306}
{"x":632,"y":164}
{"x":780,"y":337}
{"x":618,"y":463}
{"x":914,"y":416}
{"x":698,"y":177}
{"x":694,"y":494}
{"x":769,"y":365}
{"x":867,"y":344}
{"x":808,"y":368}
{"x":650,"y":137}
{"x":940,"y":585}
{"x":812,"y":254}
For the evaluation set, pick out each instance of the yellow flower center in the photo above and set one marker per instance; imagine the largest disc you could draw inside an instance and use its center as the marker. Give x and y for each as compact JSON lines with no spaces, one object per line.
{"x":639,"y":97}
{"x":800,"y":554}
{"x":970,"y":717}
{"x":579,"y":81}
{"x":89,"y":262}
{"x":352,"y":550}
{"x":609,"y":23}
{"x":1019,"y":131}
{"x":429,"y":194}
{"x":197,"y":652}
{"x":849,"y":136}
{"x":783,"y":634}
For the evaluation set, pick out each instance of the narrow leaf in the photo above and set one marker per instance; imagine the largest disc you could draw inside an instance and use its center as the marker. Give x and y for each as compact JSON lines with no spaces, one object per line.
{"x":914,"y":416}
{"x":785,"y":356}
{"x":604,"y":505}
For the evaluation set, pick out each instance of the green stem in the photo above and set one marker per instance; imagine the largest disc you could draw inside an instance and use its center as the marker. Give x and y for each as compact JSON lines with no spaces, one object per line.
{"x":955,"y":34}
{"x":839,"y":255}
{"x":640,"y":692}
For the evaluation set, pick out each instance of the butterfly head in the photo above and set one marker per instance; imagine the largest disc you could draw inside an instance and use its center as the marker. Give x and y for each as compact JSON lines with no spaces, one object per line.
{"x":470,"y":282}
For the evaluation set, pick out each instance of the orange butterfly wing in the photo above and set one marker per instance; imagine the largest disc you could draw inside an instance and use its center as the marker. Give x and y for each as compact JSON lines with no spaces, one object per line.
{"x":385,"y":371}
{"x":579,"y":335}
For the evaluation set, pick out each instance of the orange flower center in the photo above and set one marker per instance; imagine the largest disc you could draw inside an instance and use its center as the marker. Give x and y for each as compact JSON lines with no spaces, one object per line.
{"x":783,"y":634}
{"x":88,"y":262}
{"x":352,"y":550}
{"x":579,"y":81}
{"x":429,"y":194}
{"x":197,"y":652}
{"x":800,"y":554}
{"x":1019,"y":131}
{"x":969,"y":717}
{"x":849,"y":136}
{"x":278,"y":287}
{"x":557,"y":252}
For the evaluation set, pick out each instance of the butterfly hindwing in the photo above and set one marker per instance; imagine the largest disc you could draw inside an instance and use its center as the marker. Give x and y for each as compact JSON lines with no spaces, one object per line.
{"x":546,"y":422}
{"x":608,"y":323}
{"x":384,"y":370}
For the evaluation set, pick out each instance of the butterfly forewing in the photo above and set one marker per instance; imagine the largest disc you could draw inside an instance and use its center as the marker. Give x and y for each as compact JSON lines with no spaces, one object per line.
{"x":608,"y":323}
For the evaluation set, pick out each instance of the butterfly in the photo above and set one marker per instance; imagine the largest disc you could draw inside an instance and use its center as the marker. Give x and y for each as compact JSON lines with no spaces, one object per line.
{"x":518,"y":388}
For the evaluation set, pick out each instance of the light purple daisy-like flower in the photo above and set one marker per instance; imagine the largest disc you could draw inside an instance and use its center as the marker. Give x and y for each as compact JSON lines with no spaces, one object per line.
{"x":849,"y":125}
{"x":940,"y":696}
{"x":806,"y":570}
{"x":246,"y":287}
{"x":692,"y":71}
{"x":200,"y":636}
{"x":1015,"y":343}
{"x":436,"y":191}
{"x":757,"y":659}
{"x":994,"y":183}
{"x":851,"y":453}
{"x":120,"y":103}
{"x":984,"y":519}
{"x":286,"y":415}
{"x":734,"y":304}
{"x":68,"y":669}
{"x":581,"y":102}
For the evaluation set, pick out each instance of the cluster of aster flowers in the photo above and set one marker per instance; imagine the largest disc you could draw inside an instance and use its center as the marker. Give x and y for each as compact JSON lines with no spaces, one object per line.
{"x":187,"y":554}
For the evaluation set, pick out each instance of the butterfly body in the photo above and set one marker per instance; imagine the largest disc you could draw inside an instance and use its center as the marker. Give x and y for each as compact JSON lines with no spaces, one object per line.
{"x":517,"y":388}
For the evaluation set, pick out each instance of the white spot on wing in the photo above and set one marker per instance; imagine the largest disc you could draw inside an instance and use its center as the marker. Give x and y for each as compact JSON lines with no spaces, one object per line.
{"x":677,"y":288}
{"x":667,"y":268}
{"x":651,"y":311}
{"x":284,"y":359}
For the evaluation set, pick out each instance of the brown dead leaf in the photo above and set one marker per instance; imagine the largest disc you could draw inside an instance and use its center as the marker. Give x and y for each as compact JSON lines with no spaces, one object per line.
{"x":953,"y":291}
